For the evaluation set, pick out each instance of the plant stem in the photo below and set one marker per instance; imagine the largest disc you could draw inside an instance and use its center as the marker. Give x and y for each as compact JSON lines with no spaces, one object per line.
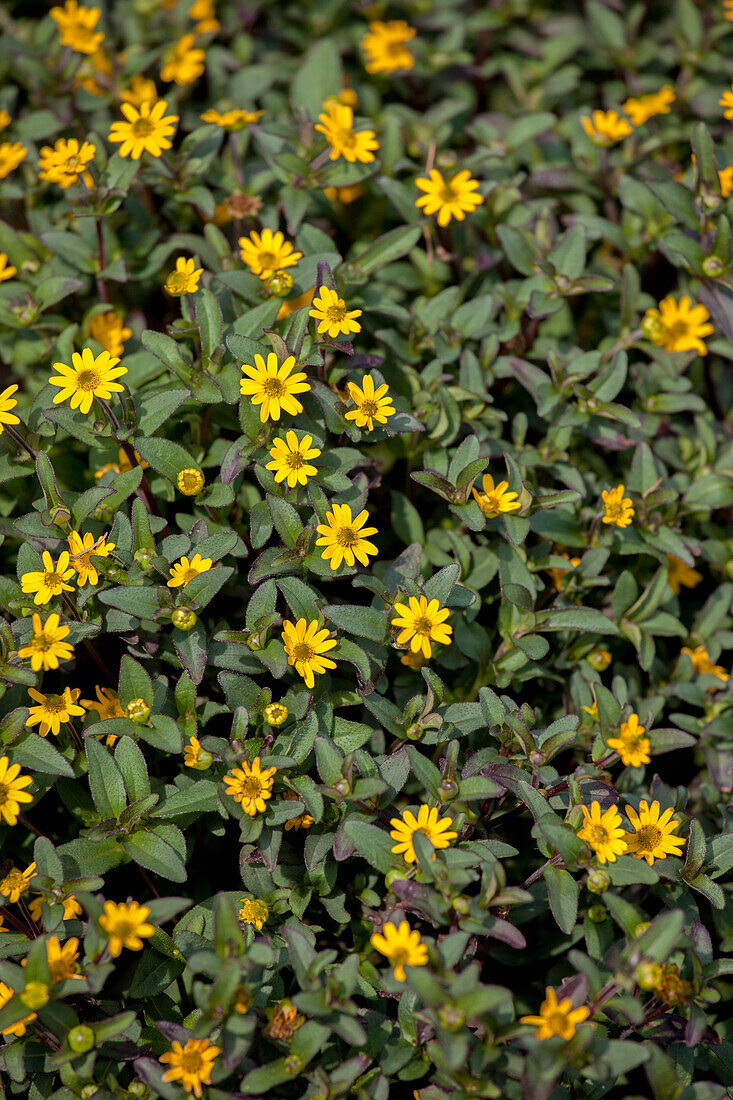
{"x":101,"y":281}
{"x":19,"y":441}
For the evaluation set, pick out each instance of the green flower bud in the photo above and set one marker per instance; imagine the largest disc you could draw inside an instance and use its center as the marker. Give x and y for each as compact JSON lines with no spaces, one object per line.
{"x":293,"y":1065}
{"x":144,"y":557}
{"x":647,"y":975}
{"x":183,"y":618}
{"x":598,"y":881}
{"x":452,"y":1018}
{"x":275,"y":714}
{"x":395,"y":875}
{"x":461,"y":904}
{"x":35,"y":995}
{"x":597,"y":914}
{"x":138,"y":711}
{"x":713,"y":266}
{"x":342,"y":786}
{"x":81,"y":1039}
{"x":280,"y":284}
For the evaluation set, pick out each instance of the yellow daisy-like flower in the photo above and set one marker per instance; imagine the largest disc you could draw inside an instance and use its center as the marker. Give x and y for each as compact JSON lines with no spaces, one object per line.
{"x":344,"y":195}
{"x":109,"y":330}
{"x":47,"y":646}
{"x":196,"y":757}
{"x":437,"y":830}
{"x":291,"y":459}
{"x":652,"y":837}
{"x":191,"y":1065}
{"x":385,"y":46}
{"x":267,"y":252}
{"x":251,"y":786}
{"x":236,"y":119}
{"x":184,"y":570}
{"x":253,"y":912}
{"x":62,"y":961}
{"x":371,"y":404}
{"x":618,"y":510}
{"x":681,"y":575}
{"x":6,"y":272}
{"x":107,"y":704}
{"x":184,"y":63}
{"x":495,"y":499}
{"x":273,"y":386}
{"x":448,"y":199}
{"x":190,"y":481}
{"x":332,"y":316}
{"x":8,"y":402}
{"x":678,"y":326}
{"x":726,"y":100}
{"x":631,"y":745}
{"x":556,"y":1018}
{"x":703,"y":665}
{"x":49,"y":581}
{"x":146,"y":130}
{"x":125,"y":925}
{"x":302,"y":821}
{"x":140,"y":90}
{"x":401,"y":946}
{"x":203,"y":11}
{"x":12,"y":792}
{"x":76,"y":25}
{"x":305,"y":645}
{"x":185,"y":279}
{"x":18,"y":1029}
{"x":337,"y":126}
{"x":16,"y":882}
{"x":66,"y":162}
{"x":728,"y":10}
{"x":605,"y":127}
{"x":421,"y":622}
{"x":53,"y":711}
{"x":72,"y":908}
{"x":604,"y":832}
{"x":82,"y":550}
{"x":345,"y":538}
{"x":88,"y":377}
{"x":12,"y":153}
{"x":284,"y":1021}
{"x":641,"y":109}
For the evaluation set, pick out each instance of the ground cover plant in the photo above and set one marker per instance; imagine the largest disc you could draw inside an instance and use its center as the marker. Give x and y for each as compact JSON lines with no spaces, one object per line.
{"x":366,"y":595}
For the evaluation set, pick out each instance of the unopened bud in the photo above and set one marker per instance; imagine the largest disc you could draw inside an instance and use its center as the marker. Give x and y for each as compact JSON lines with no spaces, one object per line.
{"x":137,"y":710}
{"x":275,"y":714}
{"x":597,"y":914}
{"x":183,"y":618}
{"x":598,"y":881}
{"x":648,"y":974}
{"x":342,"y":786}
{"x":144,"y":557}
{"x":81,"y":1039}
{"x":35,"y":995}
{"x":280,"y":284}
{"x":713,"y":266}
{"x":452,"y":1018}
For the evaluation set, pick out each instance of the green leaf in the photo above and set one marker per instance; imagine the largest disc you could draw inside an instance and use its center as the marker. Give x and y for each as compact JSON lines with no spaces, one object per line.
{"x":34,"y":752}
{"x":318,"y":77}
{"x":105,"y":781}
{"x":391,"y":246}
{"x":209,"y":321}
{"x":133,"y":768}
{"x":198,"y":798}
{"x":372,"y":843}
{"x":365,"y":622}
{"x":563,"y":891}
{"x":148,"y":848}
{"x":165,"y":456}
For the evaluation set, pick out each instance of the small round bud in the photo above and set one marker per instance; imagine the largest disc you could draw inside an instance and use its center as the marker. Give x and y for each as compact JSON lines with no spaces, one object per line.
{"x":190,"y":481}
{"x":648,"y":974}
{"x":275,"y":714}
{"x":597,"y":914}
{"x":81,"y":1039}
{"x":461,"y":904}
{"x":137,"y":1088}
{"x":98,"y":426}
{"x":137,"y":710}
{"x":414,"y":732}
{"x":599,"y":659}
{"x":183,"y":618}
{"x":89,"y":1091}
{"x":61,"y":516}
{"x":35,"y":995}
{"x":537,"y":757}
{"x":641,"y":928}
{"x":144,"y":557}
{"x":280,"y":284}
{"x":713,"y":266}
{"x":395,"y":875}
{"x":342,"y":786}
{"x":598,"y":881}
{"x":447,"y":789}
{"x":452,"y":1018}
{"x":293,"y":1065}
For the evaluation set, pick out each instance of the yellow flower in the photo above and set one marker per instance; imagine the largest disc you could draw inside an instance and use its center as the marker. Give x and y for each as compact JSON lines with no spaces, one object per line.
{"x":332,"y":316}
{"x":291,"y":459}
{"x":12,"y":153}
{"x":273,"y":386}
{"x":62,"y":962}
{"x":122,"y":465}
{"x":413,"y":660}
{"x":605,"y":127}
{"x":371,"y":404}
{"x":19,"y":1028}
{"x":427,"y":823}
{"x":592,"y":711}
{"x":107,"y":704}
{"x":53,"y":711}
{"x":345,"y":537}
{"x":448,"y":199}
{"x":51,"y":580}
{"x":618,"y":510}
{"x":725,"y":176}
{"x":302,"y":821}
{"x":556,"y":1018}
{"x":8,"y":402}
{"x":242,"y":1000}
{"x":82,"y":550}
{"x":284,"y":1022}
{"x":184,"y":570}
{"x":267,"y":252}
{"x":420,"y":623}
{"x":679,"y":574}
{"x":191,"y":1065}
{"x":5,"y":119}
{"x":196,"y":757}
{"x":12,"y":792}
{"x":495,"y":500}
{"x":703,"y":665}
{"x":558,"y":574}
{"x":726,"y":100}
{"x":251,"y":786}
{"x":125,"y":925}
{"x":66,"y":161}
{"x":203,"y":11}
{"x":336,"y":124}
{"x":675,"y":326}
{"x":344,"y":195}
{"x":385,"y":47}
{"x":6,"y":272}
{"x":275,"y":714}
{"x":670,"y":988}
{"x":305,"y":645}
{"x":604,"y":832}
{"x":141,"y":90}
{"x":16,"y":882}
{"x":190,"y":481}
{"x":46,"y":646}
{"x":647,"y":106}
{"x":184,"y":63}
{"x":253,"y":912}
{"x":185,"y":279}
{"x":72,"y":908}
{"x":652,"y":837}
{"x":89,"y":376}
{"x":76,"y":25}
{"x":108,"y":329}
{"x":231,"y":120}
{"x":401,"y":946}
{"x":728,"y":10}
{"x":147,"y":130}
{"x":631,"y":745}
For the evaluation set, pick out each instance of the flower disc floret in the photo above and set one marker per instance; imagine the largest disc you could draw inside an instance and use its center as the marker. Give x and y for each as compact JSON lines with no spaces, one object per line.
{"x":273,"y":385}
{"x":305,"y":645}
{"x":345,"y":538}
{"x":453,"y":198}
{"x":88,"y":377}
{"x":421,"y":622}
